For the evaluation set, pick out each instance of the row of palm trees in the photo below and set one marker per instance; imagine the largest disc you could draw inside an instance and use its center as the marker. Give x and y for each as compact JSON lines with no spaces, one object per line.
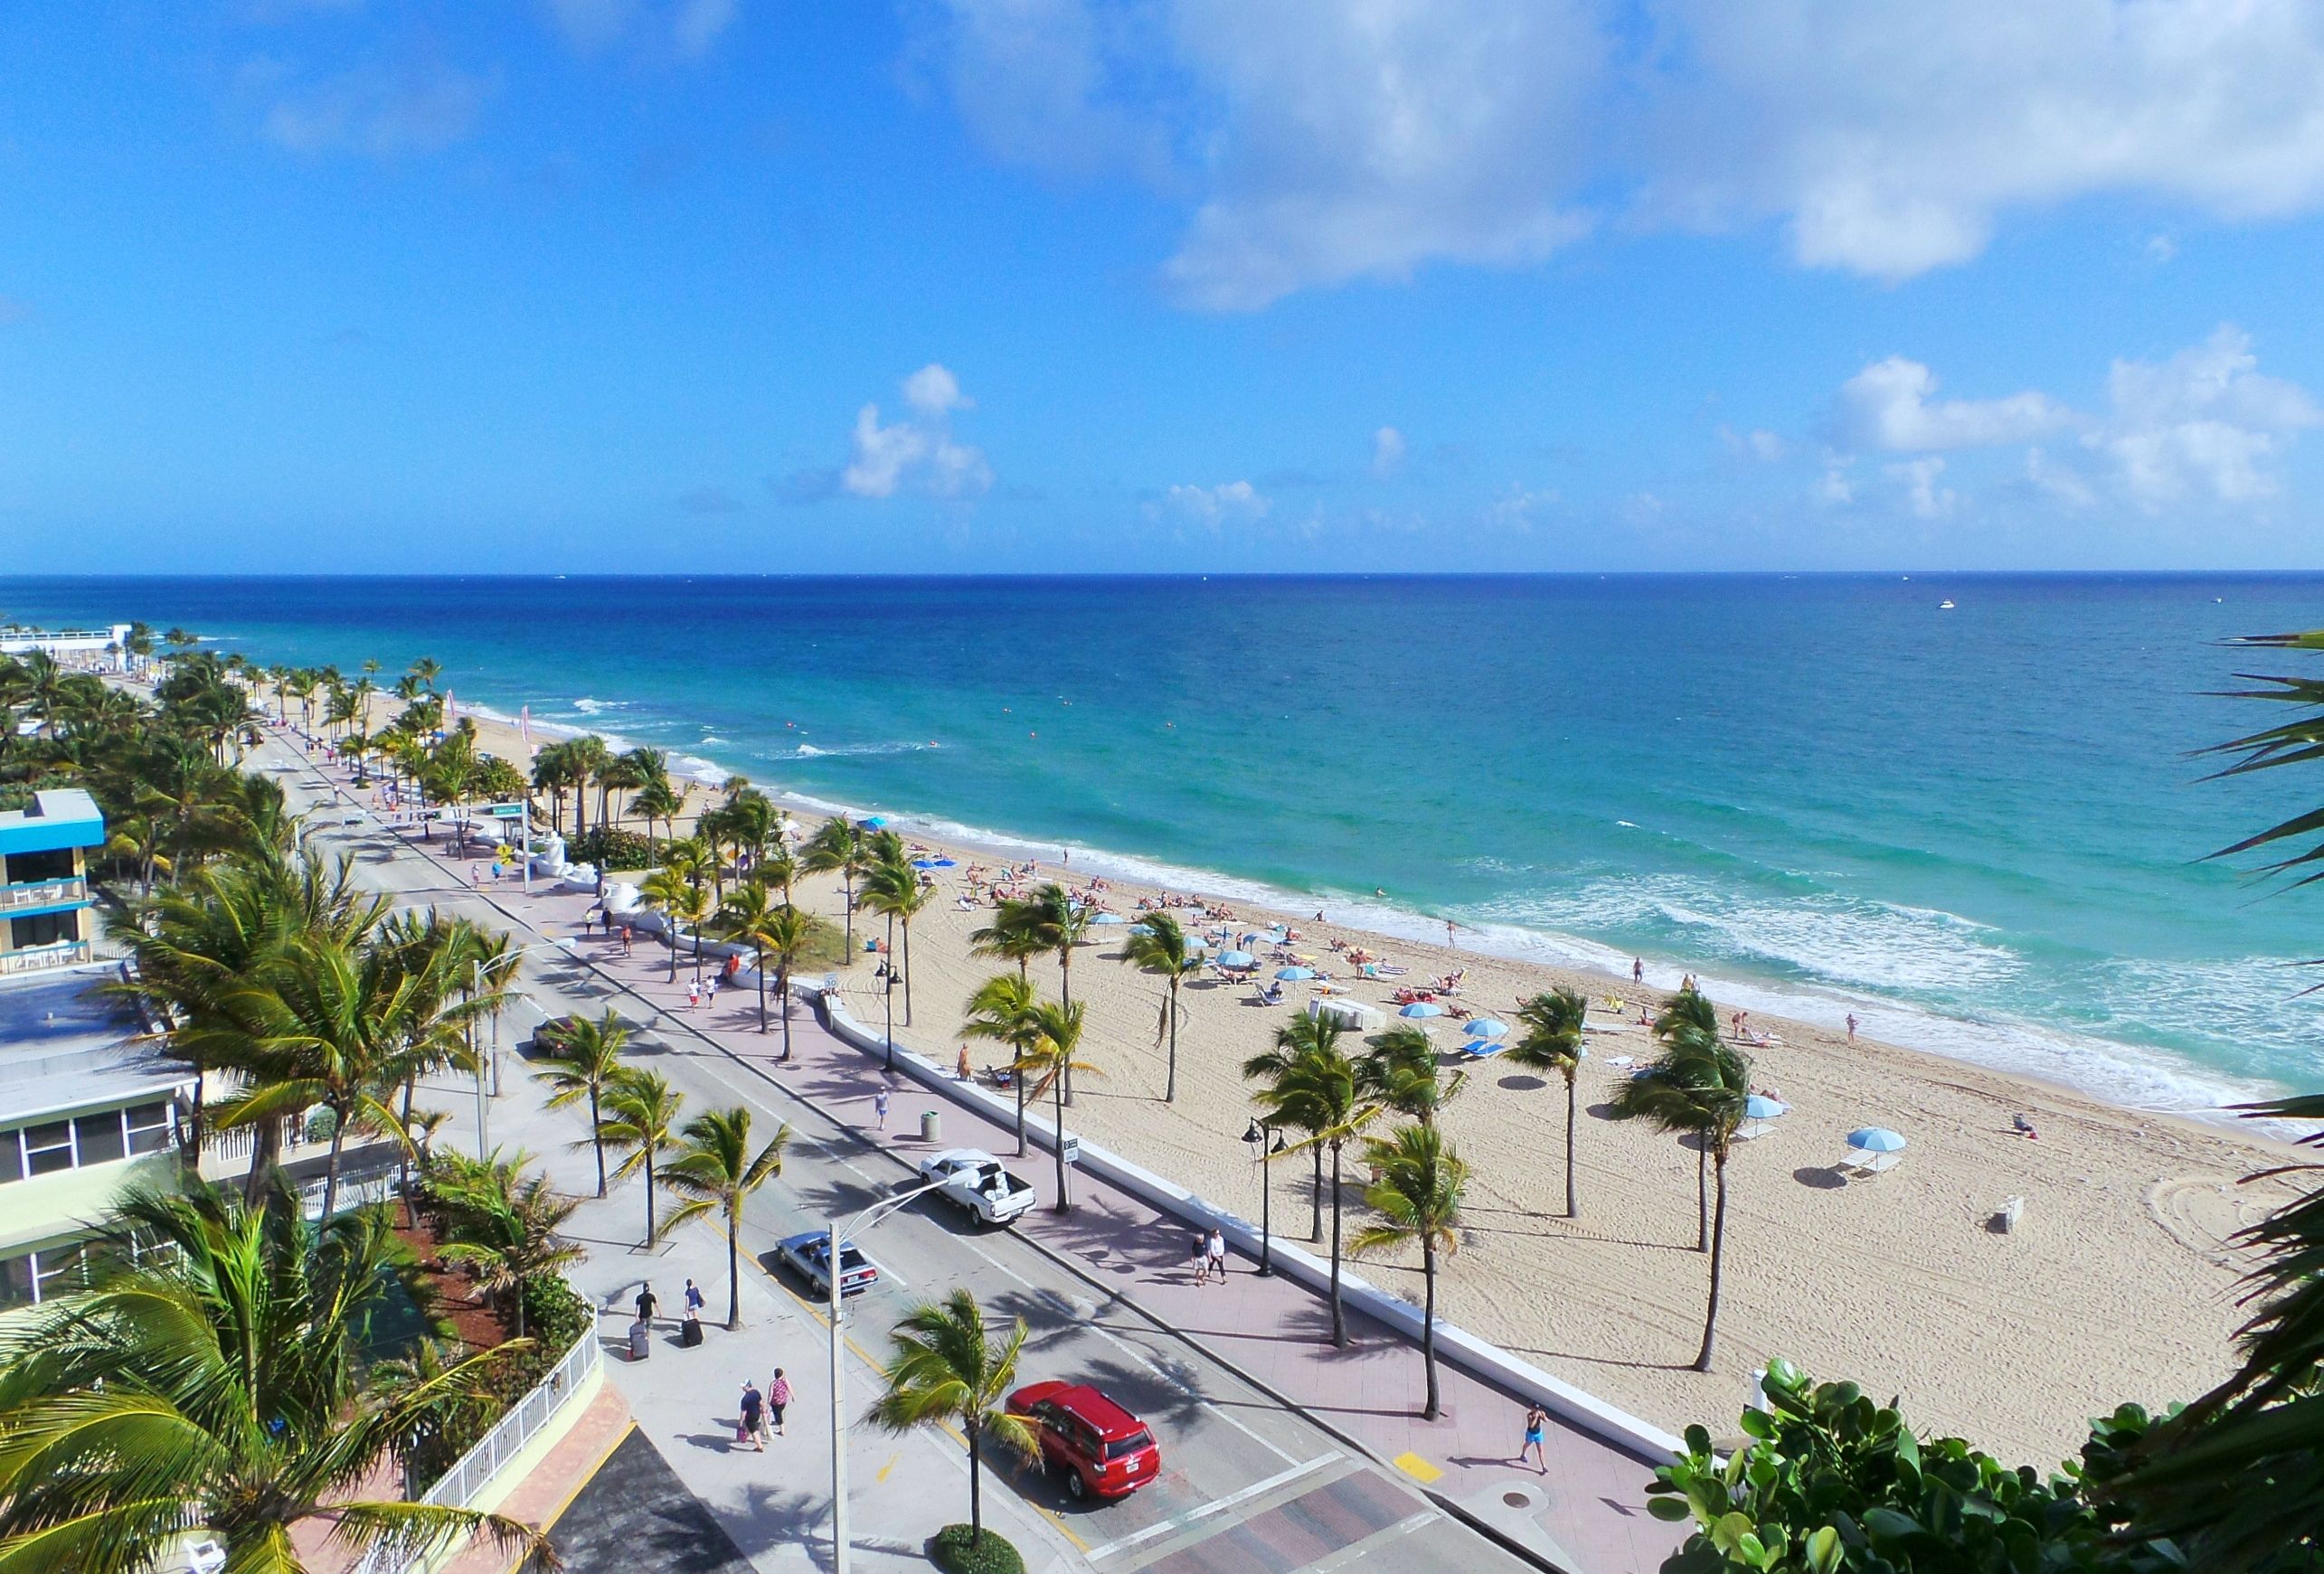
{"x":710,"y":1163}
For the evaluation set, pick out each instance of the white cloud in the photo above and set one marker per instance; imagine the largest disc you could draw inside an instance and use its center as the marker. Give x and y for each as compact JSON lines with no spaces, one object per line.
{"x":1516,"y":507}
{"x":2207,"y":423}
{"x":379,"y":111}
{"x":1229,"y":503}
{"x":1923,"y":496}
{"x":1888,"y":405}
{"x":1321,"y":141}
{"x":1835,"y":488}
{"x":2162,"y":249}
{"x":1761,"y":444}
{"x":1388,"y":450}
{"x":917,"y":452}
{"x":689,"y":26}
{"x":2202,"y":426}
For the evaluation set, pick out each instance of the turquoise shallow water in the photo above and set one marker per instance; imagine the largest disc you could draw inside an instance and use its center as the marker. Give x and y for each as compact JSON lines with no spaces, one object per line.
{"x":1977,"y":828}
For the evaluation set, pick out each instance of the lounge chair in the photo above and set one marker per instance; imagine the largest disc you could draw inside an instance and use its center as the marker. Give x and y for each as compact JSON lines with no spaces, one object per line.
{"x":1753,"y":1130}
{"x":1867,"y":1165}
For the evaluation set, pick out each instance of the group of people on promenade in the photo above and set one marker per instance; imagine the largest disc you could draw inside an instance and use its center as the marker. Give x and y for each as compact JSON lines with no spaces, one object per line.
{"x":761,"y":1410}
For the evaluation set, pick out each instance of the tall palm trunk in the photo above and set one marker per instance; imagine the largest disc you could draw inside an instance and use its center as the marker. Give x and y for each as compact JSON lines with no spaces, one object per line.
{"x":1428,"y":1323}
{"x":331,"y":1165}
{"x":1702,"y":1196}
{"x":1718,"y":1250}
{"x":758,"y":966}
{"x":888,"y":993}
{"x":783,"y":988}
{"x":907,"y":973}
{"x":597,"y":1140}
{"x":734,"y":1265}
{"x":1171,"y":1079}
{"x":1315,"y":1195}
{"x":1065,"y":1200}
{"x":970,"y":1425}
{"x":650,"y":1230}
{"x":1573,"y":1210}
{"x":847,"y":879}
{"x":1339,"y":1311}
{"x":1016,"y":1081}
{"x":1065,"y":993}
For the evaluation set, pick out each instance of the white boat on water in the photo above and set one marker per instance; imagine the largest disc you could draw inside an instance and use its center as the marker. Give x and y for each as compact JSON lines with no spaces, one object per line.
{"x":1945,"y":606}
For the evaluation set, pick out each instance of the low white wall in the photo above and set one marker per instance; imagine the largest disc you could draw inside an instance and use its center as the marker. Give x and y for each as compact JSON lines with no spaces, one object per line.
{"x":1481,"y":1358}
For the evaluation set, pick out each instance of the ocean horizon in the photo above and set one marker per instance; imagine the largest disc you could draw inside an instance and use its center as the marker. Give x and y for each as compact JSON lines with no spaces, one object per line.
{"x":1979,"y":827}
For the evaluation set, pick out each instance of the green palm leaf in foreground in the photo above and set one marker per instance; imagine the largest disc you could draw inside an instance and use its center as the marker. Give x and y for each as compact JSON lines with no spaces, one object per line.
{"x":945,"y":1364}
{"x":214,"y":1394}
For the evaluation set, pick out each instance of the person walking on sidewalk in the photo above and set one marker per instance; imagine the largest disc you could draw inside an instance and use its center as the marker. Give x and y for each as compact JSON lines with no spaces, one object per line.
{"x":752,"y":1430}
{"x":1216,"y":1255}
{"x":1198,"y":1258}
{"x":880,"y":1107}
{"x":647,"y":1304}
{"x":1536,"y":1423}
{"x":693,"y":1297}
{"x":778,"y":1394}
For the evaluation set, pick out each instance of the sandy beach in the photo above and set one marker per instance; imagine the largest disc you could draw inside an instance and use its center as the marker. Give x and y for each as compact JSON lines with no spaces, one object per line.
{"x":2116,"y":1285}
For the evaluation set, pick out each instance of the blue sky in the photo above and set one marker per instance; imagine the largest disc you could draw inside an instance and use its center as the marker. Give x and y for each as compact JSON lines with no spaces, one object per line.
{"x":949,"y":285}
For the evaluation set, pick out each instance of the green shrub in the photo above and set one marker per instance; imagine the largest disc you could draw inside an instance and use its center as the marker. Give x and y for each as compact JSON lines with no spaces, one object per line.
{"x":611,"y":847}
{"x":320,"y":1124}
{"x":955,"y":1551}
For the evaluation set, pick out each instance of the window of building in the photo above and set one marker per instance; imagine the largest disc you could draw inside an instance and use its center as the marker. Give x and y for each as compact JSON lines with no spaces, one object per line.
{"x":149,"y":1127}
{"x":12,"y":1157}
{"x":48,"y":1148}
{"x":44,"y":929}
{"x":16,"y":1281}
{"x":99,"y":1138}
{"x":26,"y":867}
{"x":58,"y":1272}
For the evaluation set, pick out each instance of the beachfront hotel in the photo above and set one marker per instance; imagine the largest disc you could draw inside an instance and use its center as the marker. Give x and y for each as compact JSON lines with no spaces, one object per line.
{"x":44,"y":917}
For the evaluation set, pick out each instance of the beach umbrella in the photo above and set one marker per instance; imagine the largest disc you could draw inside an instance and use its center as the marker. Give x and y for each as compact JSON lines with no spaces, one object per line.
{"x":1486,"y":1027}
{"x":931,"y":864}
{"x":1109,"y":919}
{"x":875,"y":822}
{"x":1759,"y":1107}
{"x":1291,"y":975}
{"x":1421,"y":1008}
{"x":1875,"y":1139}
{"x":1237,"y":960}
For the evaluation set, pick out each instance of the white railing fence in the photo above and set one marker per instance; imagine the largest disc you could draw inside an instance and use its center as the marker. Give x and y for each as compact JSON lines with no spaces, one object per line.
{"x":474,"y":1471}
{"x":62,"y":953}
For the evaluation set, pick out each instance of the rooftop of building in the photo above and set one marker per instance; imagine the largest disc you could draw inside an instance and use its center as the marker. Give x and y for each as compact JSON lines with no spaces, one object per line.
{"x":66,"y":1044}
{"x":59,"y":817}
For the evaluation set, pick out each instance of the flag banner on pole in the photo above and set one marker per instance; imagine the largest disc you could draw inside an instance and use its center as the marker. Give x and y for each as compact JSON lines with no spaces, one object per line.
{"x":524,"y":727}
{"x":451,"y":712}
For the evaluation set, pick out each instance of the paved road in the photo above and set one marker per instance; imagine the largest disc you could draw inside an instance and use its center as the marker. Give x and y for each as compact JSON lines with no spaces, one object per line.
{"x":1246,"y":1484}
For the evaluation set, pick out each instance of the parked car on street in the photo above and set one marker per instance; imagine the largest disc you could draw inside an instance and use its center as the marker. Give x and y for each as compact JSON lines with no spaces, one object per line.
{"x":975,"y":1181}
{"x":1101,"y":1449}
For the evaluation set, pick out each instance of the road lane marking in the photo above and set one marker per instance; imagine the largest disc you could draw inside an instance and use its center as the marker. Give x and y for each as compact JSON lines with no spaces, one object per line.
{"x":1418,"y":1468}
{"x":1374,"y":1543}
{"x":1216,"y":1505}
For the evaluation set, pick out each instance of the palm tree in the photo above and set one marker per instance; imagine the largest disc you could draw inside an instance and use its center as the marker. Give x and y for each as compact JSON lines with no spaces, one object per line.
{"x":1696,"y":1087}
{"x":837,"y":848}
{"x":668,"y":892}
{"x":1552,"y":1041}
{"x":640,"y":1111}
{"x":338,"y":1025}
{"x":1014,"y":935}
{"x":716,"y":1172}
{"x":1050,"y":1057}
{"x":1317,"y":1092}
{"x":749,"y":917}
{"x":1416,"y":1190}
{"x":1158,"y":944}
{"x":502,"y":1225}
{"x":1689,"y":1019}
{"x":947,"y":1364}
{"x":1001,"y":1009}
{"x":587,"y":1062}
{"x":217,"y":1389}
{"x":1399,"y":1072}
{"x":1301,"y":1035}
{"x":895,"y":891}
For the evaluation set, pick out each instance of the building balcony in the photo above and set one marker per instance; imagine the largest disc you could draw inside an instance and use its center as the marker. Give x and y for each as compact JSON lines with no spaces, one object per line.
{"x":42,"y":893}
{"x":63,"y":953}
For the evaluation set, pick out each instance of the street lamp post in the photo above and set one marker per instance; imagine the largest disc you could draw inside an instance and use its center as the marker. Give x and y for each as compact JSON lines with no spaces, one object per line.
{"x":891,"y":1002}
{"x":1256,"y":1136}
{"x":840,"y":1234}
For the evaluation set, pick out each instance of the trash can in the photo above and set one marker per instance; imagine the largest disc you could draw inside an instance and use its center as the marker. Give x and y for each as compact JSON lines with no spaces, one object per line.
{"x":928,"y":1125}
{"x":641,"y":1340}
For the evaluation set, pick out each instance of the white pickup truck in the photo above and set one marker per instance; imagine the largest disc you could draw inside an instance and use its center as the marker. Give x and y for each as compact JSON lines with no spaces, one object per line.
{"x":975,"y":1181}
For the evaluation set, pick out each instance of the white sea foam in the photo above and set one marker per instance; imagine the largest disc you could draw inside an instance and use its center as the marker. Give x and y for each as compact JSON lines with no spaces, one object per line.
{"x":588,"y":705}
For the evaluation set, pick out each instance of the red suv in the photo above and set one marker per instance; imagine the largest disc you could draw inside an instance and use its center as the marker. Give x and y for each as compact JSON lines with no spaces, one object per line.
{"x":1102,"y":1449}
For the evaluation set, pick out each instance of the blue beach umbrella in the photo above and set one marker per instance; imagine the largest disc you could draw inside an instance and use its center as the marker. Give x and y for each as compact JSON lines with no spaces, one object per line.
{"x":931,"y":864}
{"x":1109,"y":919}
{"x":1237,"y":960}
{"x":1292,"y":975}
{"x":1421,"y":1008}
{"x":1486,"y":1027}
{"x":1875,"y":1139}
{"x":874,"y":822}
{"x":1759,"y":1107}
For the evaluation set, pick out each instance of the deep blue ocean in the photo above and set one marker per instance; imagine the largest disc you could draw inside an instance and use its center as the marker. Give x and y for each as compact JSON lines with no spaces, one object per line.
{"x":1978,"y":828}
